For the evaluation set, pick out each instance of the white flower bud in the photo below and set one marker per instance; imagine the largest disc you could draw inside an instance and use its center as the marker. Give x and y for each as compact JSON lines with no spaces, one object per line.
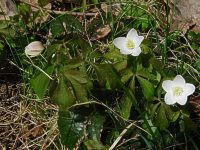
{"x":34,"y":49}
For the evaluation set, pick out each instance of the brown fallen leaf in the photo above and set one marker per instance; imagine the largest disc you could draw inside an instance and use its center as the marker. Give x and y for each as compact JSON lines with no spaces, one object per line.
{"x":8,"y":8}
{"x":182,"y":26}
{"x":35,"y":131}
{"x":101,"y":32}
{"x":115,"y":8}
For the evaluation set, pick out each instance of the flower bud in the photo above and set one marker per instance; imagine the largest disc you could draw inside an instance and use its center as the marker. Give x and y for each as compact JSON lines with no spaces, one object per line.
{"x":34,"y":49}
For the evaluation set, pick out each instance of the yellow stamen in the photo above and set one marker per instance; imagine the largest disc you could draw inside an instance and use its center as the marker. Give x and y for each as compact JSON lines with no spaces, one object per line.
{"x":130,"y":44}
{"x":177,"y":91}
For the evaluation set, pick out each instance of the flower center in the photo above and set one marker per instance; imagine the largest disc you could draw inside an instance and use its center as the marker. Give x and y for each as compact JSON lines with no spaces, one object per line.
{"x":130,"y":44}
{"x":177,"y":91}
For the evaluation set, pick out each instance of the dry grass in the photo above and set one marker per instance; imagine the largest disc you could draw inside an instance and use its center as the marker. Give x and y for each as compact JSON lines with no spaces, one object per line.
{"x":26,"y":124}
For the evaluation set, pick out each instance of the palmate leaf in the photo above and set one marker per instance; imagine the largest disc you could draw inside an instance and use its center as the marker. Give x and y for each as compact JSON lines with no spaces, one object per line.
{"x":80,"y":91}
{"x":65,"y":23}
{"x":147,"y":88}
{"x":107,"y":75}
{"x":73,"y":63}
{"x":161,"y":120}
{"x":94,"y":133}
{"x":96,"y":126}
{"x":62,"y":95}
{"x":80,"y":83}
{"x":74,"y":123}
{"x":40,"y":82}
{"x":70,"y":130}
{"x":125,"y":107}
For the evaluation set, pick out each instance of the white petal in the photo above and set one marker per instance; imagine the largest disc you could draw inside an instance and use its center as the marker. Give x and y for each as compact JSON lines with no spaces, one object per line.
{"x":132,"y":33}
{"x":32,"y":53}
{"x":120,"y":42}
{"x":179,"y":80}
{"x":34,"y":49}
{"x":167,"y":85}
{"x":182,"y":100}
{"x":136,"y":51}
{"x":189,"y":89}
{"x":126,"y":51}
{"x":36,"y":45}
{"x":169,"y":98}
{"x":138,"y":40}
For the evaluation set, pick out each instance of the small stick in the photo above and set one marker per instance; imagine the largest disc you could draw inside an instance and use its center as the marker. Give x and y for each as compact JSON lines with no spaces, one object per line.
{"x":61,"y":12}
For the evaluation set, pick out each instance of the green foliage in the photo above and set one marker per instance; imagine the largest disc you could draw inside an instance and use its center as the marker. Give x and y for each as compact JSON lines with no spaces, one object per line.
{"x":161,"y":117}
{"x":70,"y":130}
{"x":80,"y":83}
{"x":65,"y":24}
{"x":96,"y":127}
{"x":147,"y":88}
{"x":62,"y":95}
{"x":5,"y":29}
{"x":106,"y":75}
{"x":41,"y":82}
{"x":128,"y":89}
{"x":125,"y":107}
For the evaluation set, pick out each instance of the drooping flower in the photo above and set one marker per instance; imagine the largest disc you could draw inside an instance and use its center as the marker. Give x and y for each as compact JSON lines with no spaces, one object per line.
{"x":129,"y":44}
{"x":34,"y":49}
{"x":177,"y":90}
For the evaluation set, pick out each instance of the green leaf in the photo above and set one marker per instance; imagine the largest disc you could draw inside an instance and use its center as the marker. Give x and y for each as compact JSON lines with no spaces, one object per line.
{"x":79,"y":76}
{"x":70,"y":130}
{"x":107,"y":75}
{"x":114,"y":54}
{"x":96,"y":127}
{"x":84,"y":45}
{"x":80,"y":91}
{"x":40,"y":82}
{"x":151,"y":129}
{"x":158,"y":65}
{"x":65,"y":23}
{"x":147,"y":88}
{"x":3,"y":24}
{"x":1,"y":47}
{"x":186,"y":124}
{"x":197,"y":64}
{"x":126,"y":75}
{"x":120,"y":65}
{"x":153,"y":109}
{"x":125,"y":107}
{"x":148,"y":142}
{"x":146,"y":74}
{"x":62,"y":96}
{"x":80,"y":83}
{"x":174,"y":116}
{"x":8,"y":31}
{"x":95,"y":145}
{"x":95,"y":1}
{"x":161,"y":118}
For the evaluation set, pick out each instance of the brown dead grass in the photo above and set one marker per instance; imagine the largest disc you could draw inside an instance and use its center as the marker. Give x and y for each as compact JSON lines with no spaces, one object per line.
{"x":26,"y":124}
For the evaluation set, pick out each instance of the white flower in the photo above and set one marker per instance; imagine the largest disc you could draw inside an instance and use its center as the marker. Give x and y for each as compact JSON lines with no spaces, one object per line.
{"x":177,"y":90}
{"x":129,"y":44}
{"x":34,"y":49}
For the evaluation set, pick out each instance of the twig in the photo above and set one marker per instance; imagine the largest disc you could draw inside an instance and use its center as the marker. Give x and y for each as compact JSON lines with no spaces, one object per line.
{"x":61,"y":12}
{"x":121,"y":135}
